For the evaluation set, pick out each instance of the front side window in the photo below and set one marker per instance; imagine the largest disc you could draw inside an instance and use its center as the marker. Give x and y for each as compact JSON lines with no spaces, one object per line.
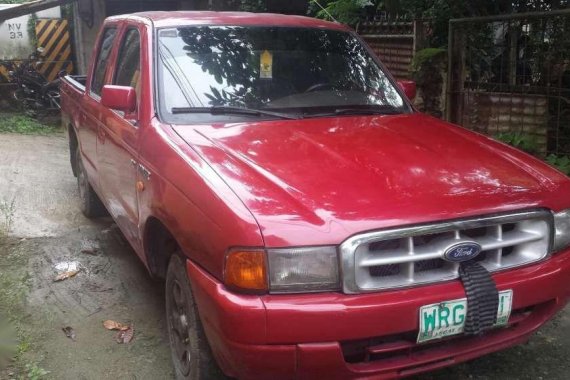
{"x":128,"y":62}
{"x":301,"y":71}
{"x":102,"y":60}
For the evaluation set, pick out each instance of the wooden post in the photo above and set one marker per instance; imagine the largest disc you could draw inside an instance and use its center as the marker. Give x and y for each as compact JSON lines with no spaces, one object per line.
{"x":419,"y":35}
{"x":513,"y":56}
{"x":455,"y":74}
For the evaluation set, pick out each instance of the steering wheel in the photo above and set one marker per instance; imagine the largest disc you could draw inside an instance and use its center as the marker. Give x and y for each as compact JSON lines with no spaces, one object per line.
{"x":318,"y":86}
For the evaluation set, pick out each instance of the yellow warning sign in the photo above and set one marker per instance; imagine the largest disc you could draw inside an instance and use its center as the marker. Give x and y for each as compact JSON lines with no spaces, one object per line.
{"x":266,"y":65}
{"x":53,"y":36}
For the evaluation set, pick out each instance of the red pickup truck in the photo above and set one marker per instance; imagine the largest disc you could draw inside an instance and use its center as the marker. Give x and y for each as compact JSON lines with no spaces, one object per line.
{"x":309,"y":222}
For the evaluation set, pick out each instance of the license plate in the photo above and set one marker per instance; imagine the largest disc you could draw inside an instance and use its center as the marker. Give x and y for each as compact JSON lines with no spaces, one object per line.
{"x":447,"y":318}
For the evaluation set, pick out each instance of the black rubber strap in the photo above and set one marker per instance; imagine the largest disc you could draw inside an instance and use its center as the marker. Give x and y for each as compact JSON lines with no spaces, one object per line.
{"x":482,"y":298}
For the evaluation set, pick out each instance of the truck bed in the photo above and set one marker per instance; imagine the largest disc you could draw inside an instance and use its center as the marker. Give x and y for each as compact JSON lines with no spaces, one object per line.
{"x":77,"y":81}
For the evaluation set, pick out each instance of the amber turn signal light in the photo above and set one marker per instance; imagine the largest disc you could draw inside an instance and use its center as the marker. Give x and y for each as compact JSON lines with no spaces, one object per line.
{"x":246,"y":270}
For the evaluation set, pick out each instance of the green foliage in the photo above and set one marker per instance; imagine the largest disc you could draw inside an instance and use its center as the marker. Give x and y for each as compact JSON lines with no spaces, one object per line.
{"x":426,"y":57}
{"x":526,"y":142}
{"x":344,"y":11}
{"x":7,"y":211}
{"x":252,"y":6}
{"x":15,"y":283}
{"x":561,"y":162}
{"x":521,"y":141}
{"x":34,"y":372}
{"x":32,"y":29}
{"x":427,"y":67}
{"x":25,"y":125}
{"x":440,"y":11}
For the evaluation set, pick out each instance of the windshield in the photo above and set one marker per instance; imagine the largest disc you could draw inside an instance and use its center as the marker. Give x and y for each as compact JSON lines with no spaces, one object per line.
{"x":299,"y":71}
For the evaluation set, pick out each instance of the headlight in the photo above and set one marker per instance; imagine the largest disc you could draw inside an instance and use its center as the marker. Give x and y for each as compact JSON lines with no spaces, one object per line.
{"x":561,"y":230}
{"x":307,"y":269}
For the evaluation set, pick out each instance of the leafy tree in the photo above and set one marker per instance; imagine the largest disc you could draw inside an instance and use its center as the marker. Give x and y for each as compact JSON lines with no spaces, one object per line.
{"x":439,"y":11}
{"x":252,"y":5}
{"x":345,"y":11}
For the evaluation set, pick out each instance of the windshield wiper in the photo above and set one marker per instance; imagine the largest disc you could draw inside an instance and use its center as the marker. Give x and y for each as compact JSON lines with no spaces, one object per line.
{"x":226,"y":110}
{"x":372,"y":110}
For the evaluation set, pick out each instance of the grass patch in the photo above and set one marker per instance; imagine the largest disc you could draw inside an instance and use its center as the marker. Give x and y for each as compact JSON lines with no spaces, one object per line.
{"x":7,"y":211}
{"x":26,"y":125}
{"x":17,"y":350}
{"x":560,"y":162}
{"x":34,"y":372}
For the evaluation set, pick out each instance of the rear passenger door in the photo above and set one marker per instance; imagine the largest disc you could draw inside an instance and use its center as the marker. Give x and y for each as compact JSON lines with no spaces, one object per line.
{"x":90,"y":115}
{"x":118,"y":143}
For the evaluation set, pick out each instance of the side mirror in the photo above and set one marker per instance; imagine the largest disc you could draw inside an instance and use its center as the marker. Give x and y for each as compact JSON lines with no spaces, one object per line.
{"x":120,"y":98}
{"x":409,"y":87}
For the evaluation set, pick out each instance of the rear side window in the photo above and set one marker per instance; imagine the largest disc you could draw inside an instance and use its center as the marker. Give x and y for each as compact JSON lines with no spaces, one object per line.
{"x":128,"y":62}
{"x":102,"y":60}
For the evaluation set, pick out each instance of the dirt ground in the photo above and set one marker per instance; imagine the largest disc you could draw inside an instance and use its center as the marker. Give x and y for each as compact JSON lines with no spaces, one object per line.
{"x":49,"y":235}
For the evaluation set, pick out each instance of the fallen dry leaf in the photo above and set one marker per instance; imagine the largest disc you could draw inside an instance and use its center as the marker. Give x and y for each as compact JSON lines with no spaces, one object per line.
{"x":112,"y":325}
{"x":125,"y":336}
{"x":65,"y":275}
{"x":69,"y":332}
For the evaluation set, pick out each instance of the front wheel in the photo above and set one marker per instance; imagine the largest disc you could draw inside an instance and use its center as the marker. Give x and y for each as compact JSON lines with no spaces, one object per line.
{"x":191,"y":353}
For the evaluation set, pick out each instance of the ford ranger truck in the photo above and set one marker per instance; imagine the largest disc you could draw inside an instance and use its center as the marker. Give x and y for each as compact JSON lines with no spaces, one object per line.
{"x":309,"y":223}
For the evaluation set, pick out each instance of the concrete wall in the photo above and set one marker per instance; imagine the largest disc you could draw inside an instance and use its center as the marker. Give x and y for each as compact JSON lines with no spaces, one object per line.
{"x":88,"y":16}
{"x":492,"y":113}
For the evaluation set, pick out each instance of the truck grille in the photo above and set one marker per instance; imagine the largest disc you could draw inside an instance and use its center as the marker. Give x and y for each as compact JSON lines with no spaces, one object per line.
{"x":410,"y":256}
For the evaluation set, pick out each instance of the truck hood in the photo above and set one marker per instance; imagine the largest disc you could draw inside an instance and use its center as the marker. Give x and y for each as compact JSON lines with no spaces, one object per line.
{"x":318,"y":181}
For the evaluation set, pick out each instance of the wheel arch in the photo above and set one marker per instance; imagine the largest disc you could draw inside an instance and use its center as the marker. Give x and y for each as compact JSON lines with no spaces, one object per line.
{"x":73,"y":145}
{"x":159,"y":245}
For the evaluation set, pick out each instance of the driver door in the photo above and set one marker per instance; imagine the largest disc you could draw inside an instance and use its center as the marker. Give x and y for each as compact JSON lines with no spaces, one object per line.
{"x":118,"y":142}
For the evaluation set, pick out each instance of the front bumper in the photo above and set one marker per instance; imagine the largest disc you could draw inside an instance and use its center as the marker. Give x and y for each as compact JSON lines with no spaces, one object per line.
{"x":337,"y":336}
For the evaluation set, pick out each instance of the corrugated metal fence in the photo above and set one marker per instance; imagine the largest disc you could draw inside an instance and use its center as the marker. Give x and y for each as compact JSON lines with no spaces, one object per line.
{"x":395,"y":41}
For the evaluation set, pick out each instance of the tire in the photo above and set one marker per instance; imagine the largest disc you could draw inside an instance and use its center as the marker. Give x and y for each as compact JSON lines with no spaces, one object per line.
{"x":91,"y":206}
{"x":191,"y":353}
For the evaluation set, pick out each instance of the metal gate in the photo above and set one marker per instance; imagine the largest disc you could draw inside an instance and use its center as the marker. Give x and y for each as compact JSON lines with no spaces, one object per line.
{"x":510,"y":76}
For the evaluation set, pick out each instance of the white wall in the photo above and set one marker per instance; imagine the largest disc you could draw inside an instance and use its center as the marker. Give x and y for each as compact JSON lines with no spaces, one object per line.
{"x":15,"y":42}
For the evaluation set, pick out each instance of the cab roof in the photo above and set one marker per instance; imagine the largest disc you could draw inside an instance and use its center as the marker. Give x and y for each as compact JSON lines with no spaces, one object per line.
{"x":161,"y":19}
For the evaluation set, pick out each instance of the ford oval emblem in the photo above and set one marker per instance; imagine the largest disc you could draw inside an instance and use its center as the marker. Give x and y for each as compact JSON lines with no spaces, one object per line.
{"x":462,"y":251}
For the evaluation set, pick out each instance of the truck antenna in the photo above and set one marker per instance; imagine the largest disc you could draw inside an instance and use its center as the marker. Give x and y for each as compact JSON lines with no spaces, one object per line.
{"x":324,"y":10}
